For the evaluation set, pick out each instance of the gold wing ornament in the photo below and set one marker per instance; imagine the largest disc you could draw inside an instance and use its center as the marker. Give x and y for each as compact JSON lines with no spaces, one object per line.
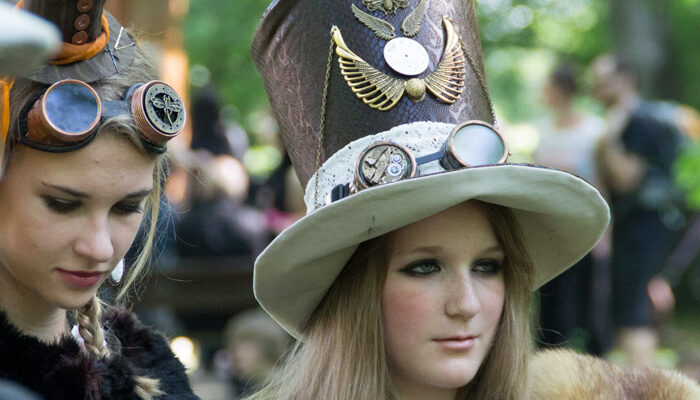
{"x":411,"y":25}
{"x":447,"y":81}
{"x":380,"y":27}
{"x":382,"y":92}
{"x":376,"y":89}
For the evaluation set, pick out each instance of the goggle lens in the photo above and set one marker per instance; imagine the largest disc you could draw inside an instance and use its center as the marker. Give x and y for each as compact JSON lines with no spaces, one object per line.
{"x":477,"y":144}
{"x":72,"y":108}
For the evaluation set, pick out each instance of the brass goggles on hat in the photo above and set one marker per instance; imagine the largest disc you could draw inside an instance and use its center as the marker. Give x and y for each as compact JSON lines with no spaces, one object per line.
{"x":67,"y":116}
{"x":469,"y":144}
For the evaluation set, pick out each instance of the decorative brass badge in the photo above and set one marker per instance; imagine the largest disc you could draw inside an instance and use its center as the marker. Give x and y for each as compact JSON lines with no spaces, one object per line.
{"x":384,"y":30}
{"x":164,"y":108}
{"x":411,"y":25}
{"x":380,"y":27}
{"x":383,"y":163}
{"x":386,"y":6}
{"x":381,"y":91}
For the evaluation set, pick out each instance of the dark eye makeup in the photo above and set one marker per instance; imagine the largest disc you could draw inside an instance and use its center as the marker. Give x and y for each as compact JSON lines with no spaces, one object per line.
{"x":424,"y":267}
{"x":63,"y":206}
{"x":421,"y":267}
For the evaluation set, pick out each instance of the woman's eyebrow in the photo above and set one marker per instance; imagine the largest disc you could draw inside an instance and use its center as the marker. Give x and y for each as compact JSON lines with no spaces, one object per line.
{"x":422,"y":249}
{"x":139,"y":194}
{"x":79,"y":194}
{"x":496,"y":248}
{"x":66,"y":190}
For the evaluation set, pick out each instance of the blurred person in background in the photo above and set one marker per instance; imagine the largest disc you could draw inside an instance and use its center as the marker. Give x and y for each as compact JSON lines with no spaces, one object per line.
{"x":255,"y":344}
{"x":568,"y":315}
{"x":214,"y":220}
{"x":635,"y":159}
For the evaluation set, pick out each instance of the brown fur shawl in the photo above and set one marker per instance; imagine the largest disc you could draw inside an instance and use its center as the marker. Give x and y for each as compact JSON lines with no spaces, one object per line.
{"x":565,"y":375}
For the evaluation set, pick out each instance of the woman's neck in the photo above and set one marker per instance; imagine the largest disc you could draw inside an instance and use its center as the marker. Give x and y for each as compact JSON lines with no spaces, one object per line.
{"x":29,"y":315}
{"x":415,"y":391}
{"x":566,"y":116}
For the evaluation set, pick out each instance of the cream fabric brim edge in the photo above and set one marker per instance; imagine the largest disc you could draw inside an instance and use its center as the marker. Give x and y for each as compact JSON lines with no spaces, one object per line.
{"x":561,"y":215}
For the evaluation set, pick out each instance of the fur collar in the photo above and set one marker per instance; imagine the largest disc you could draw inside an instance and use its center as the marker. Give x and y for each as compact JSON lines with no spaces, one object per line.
{"x":565,"y":375}
{"x":64,"y":370}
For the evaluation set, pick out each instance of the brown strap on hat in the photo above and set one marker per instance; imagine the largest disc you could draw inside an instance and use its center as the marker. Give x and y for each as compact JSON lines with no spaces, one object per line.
{"x":71,"y":53}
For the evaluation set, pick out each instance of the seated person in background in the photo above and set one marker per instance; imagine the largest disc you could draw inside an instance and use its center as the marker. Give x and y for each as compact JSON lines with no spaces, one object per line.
{"x":255,"y":344}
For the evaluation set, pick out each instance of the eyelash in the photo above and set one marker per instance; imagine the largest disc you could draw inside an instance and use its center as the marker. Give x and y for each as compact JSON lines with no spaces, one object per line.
{"x":68,"y":206}
{"x":61,"y":206}
{"x":413,"y":268}
{"x":492,"y":265}
{"x":126,"y":209}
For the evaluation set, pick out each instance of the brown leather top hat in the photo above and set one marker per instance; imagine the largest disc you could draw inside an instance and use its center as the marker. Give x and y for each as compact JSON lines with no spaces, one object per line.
{"x":384,"y":109}
{"x":85,"y":28}
{"x":345,"y":69}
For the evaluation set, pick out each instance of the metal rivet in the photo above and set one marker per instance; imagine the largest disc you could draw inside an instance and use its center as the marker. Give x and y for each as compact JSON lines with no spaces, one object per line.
{"x":79,"y":38}
{"x":84,"y":5}
{"x":82,"y":22}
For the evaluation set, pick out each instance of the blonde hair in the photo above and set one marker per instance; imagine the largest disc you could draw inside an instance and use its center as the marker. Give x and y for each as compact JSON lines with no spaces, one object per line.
{"x":343,"y":355}
{"x":111,"y":88}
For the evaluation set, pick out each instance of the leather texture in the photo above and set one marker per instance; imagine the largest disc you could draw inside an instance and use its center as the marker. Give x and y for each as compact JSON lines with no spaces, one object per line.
{"x":291,"y":48}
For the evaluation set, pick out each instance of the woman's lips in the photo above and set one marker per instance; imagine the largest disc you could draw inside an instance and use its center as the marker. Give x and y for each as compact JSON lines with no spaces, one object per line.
{"x":457,"y":343}
{"x":81,"y":279}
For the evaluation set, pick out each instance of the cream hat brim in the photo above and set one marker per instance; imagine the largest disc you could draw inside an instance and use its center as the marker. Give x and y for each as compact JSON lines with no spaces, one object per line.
{"x":562,"y":217}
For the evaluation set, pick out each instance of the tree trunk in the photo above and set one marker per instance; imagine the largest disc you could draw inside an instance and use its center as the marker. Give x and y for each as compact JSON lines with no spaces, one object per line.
{"x":640,"y":34}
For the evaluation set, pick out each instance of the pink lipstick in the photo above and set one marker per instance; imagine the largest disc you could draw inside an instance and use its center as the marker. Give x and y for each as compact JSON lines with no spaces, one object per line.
{"x":81,"y":279}
{"x":457,"y":342}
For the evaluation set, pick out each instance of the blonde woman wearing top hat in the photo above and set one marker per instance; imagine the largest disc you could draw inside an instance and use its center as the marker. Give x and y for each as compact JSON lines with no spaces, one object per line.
{"x":82,"y":163}
{"x":410,"y":275}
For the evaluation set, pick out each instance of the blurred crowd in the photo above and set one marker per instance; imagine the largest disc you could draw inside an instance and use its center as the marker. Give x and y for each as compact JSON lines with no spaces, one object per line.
{"x":619,"y":296}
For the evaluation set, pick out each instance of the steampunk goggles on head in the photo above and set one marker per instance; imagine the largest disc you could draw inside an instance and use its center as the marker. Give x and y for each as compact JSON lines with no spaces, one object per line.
{"x":68,"y":114}
{"x":470,"y":144}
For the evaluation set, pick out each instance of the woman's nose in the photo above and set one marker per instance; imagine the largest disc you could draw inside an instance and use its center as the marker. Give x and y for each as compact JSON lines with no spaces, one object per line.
{"x":462,"y":298}
{"x":95,"y":242}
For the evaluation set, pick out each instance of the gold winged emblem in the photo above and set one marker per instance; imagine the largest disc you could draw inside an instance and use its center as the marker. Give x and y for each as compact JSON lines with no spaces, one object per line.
{"x":382,"y":92}
{"x":384,"y":30}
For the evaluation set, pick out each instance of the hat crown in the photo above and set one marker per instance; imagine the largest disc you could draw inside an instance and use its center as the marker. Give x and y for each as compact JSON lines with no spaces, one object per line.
{"x":72,"y":17}
{"x":308,"y":72}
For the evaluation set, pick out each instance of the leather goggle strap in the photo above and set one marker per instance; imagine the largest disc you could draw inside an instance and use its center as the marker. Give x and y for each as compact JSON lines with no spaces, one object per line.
{"x":112,"y":109}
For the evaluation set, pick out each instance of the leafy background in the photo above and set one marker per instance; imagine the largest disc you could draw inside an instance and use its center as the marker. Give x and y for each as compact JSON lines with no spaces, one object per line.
{"x":522,"y":41}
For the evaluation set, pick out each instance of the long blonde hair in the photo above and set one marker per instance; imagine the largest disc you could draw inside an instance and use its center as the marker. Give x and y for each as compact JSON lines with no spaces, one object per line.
{"x":111,"y":88}
{"x":343,"y":355}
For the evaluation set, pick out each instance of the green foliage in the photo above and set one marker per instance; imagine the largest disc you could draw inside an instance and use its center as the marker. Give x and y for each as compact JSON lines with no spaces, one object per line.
{"x":687,"y":171}
{"x":685,"y":52}
{"x":218,"y":35}
{"x":522,"y":41}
